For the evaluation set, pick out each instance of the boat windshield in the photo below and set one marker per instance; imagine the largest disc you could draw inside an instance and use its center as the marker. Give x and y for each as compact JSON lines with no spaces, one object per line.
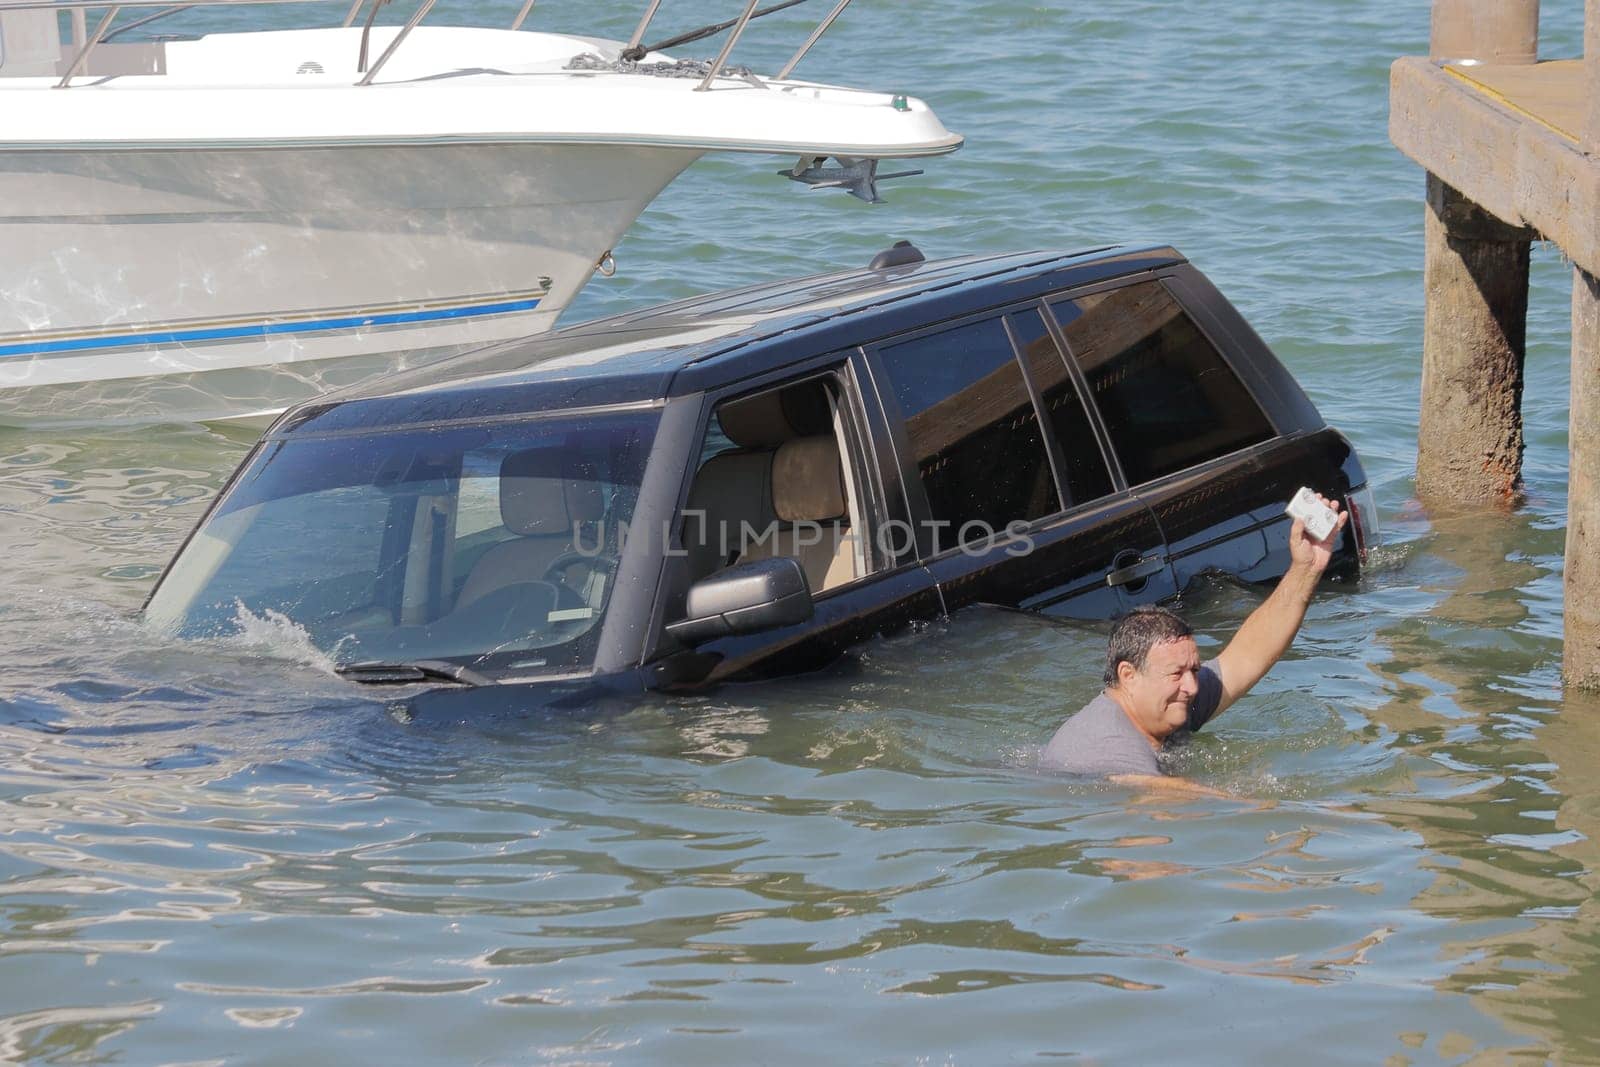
{"x":493,"y":546}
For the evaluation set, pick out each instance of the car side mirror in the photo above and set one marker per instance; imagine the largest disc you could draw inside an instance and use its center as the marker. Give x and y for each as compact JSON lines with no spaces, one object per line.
{"x":746,"y":598}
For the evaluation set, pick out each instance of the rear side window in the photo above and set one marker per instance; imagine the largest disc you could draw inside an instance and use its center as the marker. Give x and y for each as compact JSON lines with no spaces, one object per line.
{"x":1168,"y":398}
{"x":1086,"y":475}
{"x":972,"y":429}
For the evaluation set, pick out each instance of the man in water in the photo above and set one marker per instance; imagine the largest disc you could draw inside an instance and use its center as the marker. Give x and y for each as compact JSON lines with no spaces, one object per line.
{"x":1156,"y":684}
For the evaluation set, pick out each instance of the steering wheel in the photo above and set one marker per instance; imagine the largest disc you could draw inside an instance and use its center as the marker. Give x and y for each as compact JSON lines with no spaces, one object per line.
{"x":556,"y":572}
{"x":511,"y":615}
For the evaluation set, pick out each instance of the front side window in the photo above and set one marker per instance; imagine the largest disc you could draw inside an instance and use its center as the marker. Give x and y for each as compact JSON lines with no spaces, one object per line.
{"x":1168,"y":398}
{"x":973,"y":431}
{"x":775,"y":478}
{"x":492,"y":544}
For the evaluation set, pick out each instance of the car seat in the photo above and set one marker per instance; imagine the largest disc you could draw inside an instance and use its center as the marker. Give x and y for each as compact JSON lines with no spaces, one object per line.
{"x":809,"y":500}
{"x":543,"y":500}
{"x":730,"y":502}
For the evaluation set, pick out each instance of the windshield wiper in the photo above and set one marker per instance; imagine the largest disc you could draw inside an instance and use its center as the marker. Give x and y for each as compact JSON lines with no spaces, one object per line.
{"x":422,"y":670}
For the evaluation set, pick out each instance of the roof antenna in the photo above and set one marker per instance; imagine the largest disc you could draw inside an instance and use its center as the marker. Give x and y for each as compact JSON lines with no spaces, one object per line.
{"x":899,"y":254}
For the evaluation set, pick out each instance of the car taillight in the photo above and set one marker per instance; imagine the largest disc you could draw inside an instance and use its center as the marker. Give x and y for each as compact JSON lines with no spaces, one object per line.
{"x":1363,"y":521}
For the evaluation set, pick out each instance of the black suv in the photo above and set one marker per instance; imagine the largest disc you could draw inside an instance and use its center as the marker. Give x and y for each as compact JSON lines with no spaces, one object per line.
{"x":746,"y":483}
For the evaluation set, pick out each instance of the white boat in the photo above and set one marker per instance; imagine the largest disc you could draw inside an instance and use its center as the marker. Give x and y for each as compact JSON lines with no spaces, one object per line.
{"x":218,"y":227}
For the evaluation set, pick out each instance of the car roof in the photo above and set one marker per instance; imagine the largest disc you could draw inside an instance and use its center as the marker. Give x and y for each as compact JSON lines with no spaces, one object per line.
{"x":708,"y":341}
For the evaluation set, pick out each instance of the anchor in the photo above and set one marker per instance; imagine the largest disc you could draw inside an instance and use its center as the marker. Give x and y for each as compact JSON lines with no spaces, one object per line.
{"x":858,"y":177}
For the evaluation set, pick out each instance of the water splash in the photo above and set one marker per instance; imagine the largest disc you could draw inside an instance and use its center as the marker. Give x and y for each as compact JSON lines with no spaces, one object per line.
{"x":275,"y":635}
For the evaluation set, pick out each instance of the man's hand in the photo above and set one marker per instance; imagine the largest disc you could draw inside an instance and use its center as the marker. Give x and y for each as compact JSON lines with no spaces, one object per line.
{"x":1316,"y":555}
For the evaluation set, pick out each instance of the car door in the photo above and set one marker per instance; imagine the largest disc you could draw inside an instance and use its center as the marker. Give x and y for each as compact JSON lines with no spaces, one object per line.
{"x":881,"y":589}
{"x":1187,"y":434}
{"x":1008,"y":508}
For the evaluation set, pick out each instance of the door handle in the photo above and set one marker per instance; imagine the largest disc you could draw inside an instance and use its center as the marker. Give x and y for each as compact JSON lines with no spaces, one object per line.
{"x":1135,"y":571}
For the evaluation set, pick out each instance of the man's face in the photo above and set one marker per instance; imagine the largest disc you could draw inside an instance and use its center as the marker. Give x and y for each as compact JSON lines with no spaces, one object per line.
{"x":1159,"y":694}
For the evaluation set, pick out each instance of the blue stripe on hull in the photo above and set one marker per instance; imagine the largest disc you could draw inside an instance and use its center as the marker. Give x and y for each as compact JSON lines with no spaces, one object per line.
{"x":263,"y":329}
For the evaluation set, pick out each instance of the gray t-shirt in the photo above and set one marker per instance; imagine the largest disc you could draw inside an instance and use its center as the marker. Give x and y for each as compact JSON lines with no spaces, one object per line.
{"x":1101,"y":740}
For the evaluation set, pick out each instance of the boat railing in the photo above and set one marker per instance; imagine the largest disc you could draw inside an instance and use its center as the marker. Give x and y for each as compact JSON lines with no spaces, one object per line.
{"x":87,"y":41}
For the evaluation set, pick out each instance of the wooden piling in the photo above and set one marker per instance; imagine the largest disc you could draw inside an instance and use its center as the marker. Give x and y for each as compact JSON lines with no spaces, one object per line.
{"x":1590,"y":95}
{"x":1580,"y":664}
{"x":1475,"y":273}
{"x":1580,"y":660}
{"x":1486,"y":31}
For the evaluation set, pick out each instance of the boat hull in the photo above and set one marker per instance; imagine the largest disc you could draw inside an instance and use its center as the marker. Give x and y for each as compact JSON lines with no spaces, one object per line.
{"x":202,"y":283}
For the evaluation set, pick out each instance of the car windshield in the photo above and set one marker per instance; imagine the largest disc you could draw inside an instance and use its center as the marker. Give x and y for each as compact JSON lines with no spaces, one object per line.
{"x":494,"y":545}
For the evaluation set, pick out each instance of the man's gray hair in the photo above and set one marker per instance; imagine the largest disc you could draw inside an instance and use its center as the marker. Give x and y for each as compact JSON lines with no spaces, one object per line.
{"x":1137,"y":632}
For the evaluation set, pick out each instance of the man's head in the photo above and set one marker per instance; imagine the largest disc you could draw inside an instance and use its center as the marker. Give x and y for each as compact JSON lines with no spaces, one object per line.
{"x":1151,"y":669}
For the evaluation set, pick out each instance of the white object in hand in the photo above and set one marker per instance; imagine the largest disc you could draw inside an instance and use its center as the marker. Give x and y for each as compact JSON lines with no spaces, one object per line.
{"x":1318,"y":517}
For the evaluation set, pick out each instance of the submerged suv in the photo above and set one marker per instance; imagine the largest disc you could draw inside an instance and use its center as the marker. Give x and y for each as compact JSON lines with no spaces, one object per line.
{"x":746,"y":483}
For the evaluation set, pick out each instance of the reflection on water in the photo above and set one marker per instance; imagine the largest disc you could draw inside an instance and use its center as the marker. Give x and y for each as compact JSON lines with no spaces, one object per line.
{"x":1502,"y":795}
{"x":219,"y":852}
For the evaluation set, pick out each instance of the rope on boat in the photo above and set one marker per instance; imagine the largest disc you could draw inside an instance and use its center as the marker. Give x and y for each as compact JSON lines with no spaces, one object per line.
{"x":678,"y":68}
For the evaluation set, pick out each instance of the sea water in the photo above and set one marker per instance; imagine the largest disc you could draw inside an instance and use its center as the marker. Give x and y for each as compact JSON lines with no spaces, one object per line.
{"x":221,"y":853}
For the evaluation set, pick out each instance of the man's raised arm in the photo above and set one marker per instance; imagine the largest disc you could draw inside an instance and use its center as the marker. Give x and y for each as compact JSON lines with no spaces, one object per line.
{"x":1270,"y":629}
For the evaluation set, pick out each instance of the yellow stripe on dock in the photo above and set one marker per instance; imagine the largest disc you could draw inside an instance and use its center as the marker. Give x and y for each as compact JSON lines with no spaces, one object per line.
{"x":1549,"y":93}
